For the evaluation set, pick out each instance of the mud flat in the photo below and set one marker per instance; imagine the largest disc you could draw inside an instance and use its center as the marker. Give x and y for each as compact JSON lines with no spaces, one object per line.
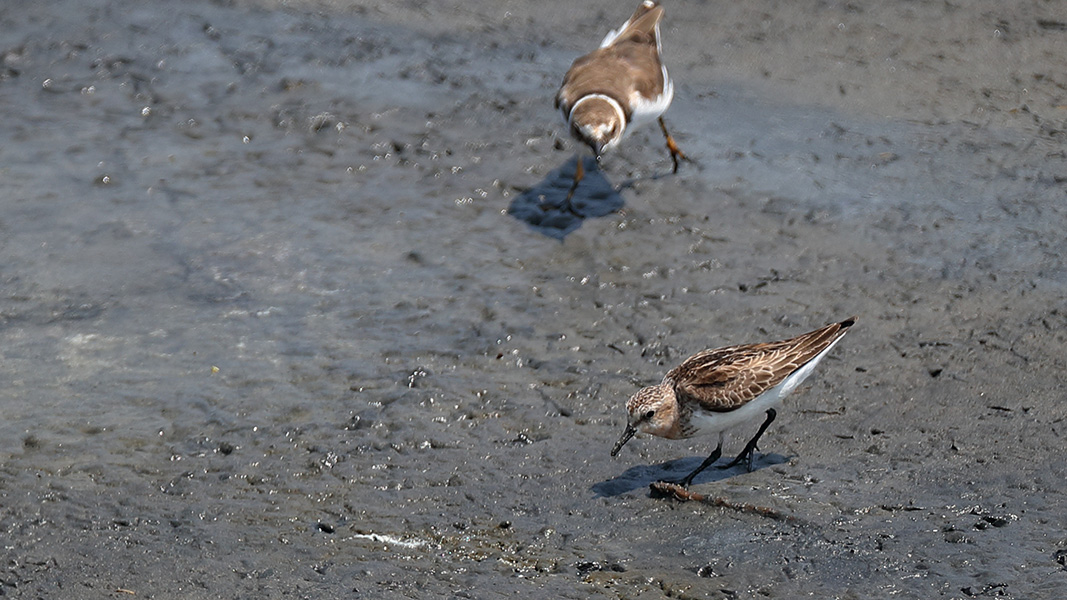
{"x":274,"y":321}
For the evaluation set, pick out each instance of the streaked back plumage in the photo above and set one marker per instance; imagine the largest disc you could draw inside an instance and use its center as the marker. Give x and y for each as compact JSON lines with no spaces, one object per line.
{"x":722,"y":379}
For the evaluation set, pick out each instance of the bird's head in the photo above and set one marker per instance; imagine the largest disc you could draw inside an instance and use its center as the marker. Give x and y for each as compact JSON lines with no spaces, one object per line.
{"x":653,"y":410}
{"x":598,"y":121}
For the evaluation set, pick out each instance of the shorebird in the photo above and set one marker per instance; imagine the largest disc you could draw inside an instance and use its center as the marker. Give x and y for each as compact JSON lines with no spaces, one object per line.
{"x":619,"y":86}
{"x":715,"y":390}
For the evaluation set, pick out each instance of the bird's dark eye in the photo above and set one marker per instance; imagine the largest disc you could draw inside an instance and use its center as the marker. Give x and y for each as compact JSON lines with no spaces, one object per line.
{"x":650,"y":414}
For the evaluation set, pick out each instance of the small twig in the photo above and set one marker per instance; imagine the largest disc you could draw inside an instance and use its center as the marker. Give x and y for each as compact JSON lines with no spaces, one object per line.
{"x":662,"y":489}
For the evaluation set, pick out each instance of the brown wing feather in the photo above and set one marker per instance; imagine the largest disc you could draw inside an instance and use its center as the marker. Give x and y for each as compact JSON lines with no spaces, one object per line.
{"x":642,"y":25}
{"x":613,"y":71}
{"x":725,"y":378}
{"x":618,"y":68}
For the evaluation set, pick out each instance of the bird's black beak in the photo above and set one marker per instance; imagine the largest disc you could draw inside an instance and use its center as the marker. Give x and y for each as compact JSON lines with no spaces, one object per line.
{"x":597,"y":148}
{"x":626,"y":435}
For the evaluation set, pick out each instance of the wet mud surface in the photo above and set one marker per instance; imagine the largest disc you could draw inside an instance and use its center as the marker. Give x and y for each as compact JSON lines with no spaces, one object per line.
{"x":282,"y":314}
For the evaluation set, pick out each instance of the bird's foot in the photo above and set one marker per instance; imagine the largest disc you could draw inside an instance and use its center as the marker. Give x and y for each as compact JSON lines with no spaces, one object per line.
{"x":567,"y":206}
{"x":676,"y":154}
{"x":747,"y":456}
{"x":672,"y":147}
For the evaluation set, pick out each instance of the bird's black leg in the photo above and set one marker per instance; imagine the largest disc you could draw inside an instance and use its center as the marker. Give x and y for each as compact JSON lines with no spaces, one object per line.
{"x":676,"y":152}
{"x":714,"y":456}
{"x":750,"y":447}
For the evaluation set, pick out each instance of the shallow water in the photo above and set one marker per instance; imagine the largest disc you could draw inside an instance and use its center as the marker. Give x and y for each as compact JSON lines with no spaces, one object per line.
{"x":268,"y":327}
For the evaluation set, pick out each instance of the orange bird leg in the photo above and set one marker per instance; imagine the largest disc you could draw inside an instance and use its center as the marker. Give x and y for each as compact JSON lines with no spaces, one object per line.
{"x":579,"y":174}
{"x":676,"y":152}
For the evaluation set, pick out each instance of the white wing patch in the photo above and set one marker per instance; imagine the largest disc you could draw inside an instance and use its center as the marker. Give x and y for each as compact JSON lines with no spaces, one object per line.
{"x":645,"y":110}
{"x":614,"y":33}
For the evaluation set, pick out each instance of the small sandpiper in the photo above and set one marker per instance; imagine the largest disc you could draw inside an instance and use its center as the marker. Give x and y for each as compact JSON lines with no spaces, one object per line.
{"x":715,"y":390}
{"x":617,"y":87}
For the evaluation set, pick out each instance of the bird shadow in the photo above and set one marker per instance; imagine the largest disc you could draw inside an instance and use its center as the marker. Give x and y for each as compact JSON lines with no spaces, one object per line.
{"x":641,"y":476}
{"x":544,"y":206}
